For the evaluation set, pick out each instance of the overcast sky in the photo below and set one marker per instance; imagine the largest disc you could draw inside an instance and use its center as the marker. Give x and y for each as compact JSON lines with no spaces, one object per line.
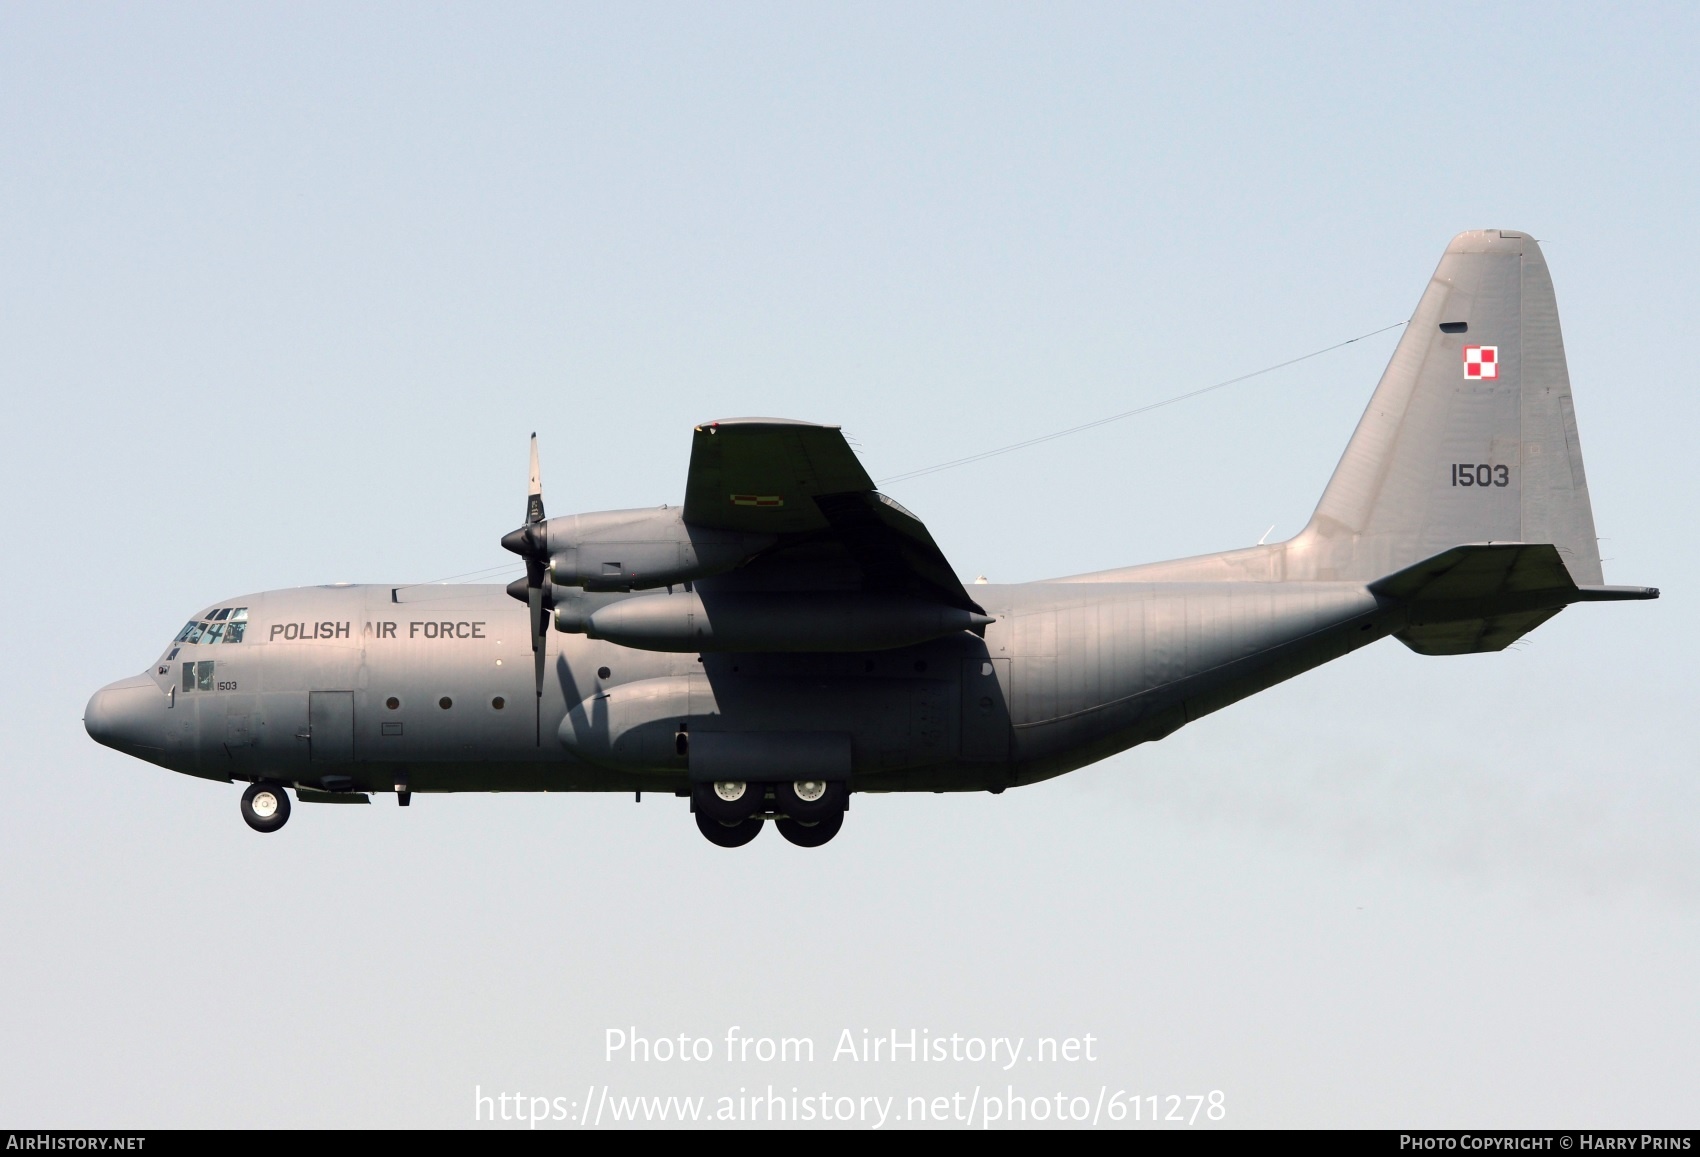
{"x":284,"y":288}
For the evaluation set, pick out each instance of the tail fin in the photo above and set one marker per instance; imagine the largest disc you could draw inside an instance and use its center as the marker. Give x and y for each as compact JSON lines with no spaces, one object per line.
{"x":1471,"y":435}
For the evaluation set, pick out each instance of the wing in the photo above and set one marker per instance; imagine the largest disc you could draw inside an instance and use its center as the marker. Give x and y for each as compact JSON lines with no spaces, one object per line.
{"x":803,"y":483}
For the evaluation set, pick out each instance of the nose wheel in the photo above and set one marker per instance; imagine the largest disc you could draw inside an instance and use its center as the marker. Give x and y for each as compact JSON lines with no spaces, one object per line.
{"x":265,"y":806}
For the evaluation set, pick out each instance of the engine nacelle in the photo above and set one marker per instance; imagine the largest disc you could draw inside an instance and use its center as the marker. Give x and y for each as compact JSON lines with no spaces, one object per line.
{"x":768,"y":621}
{"x":624,"y":550}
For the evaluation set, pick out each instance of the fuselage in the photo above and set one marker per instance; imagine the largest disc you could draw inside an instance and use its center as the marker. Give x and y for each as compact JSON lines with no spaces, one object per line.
{"x":360,"y":687}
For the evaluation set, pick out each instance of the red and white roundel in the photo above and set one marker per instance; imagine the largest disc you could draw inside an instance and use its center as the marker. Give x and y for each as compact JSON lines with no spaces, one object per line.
{"x":1481,"y":361}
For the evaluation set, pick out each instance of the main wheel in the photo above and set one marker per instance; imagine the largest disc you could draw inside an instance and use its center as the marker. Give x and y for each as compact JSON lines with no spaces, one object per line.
{"x":728,"y":800}
{"x":810,"y":800}
{"x":265,"y":806}
{"x":729,"y":835}
{"x":810,"y":835}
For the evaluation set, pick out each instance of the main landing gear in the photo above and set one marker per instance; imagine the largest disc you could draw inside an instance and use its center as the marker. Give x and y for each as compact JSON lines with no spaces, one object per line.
{"x":265,"y":806}
{"x":807,"y":812}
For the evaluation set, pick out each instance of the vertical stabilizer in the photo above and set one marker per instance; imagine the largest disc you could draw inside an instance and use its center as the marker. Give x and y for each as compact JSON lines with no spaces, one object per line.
{"x":1471,"y":435}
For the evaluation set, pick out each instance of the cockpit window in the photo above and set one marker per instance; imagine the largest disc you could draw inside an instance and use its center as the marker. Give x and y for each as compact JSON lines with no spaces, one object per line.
{"x":225,"y":624}
{"x":198,"y":676}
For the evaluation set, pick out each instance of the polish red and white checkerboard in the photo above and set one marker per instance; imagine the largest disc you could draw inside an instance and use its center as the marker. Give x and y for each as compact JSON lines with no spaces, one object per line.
{"x":1481,"y":361}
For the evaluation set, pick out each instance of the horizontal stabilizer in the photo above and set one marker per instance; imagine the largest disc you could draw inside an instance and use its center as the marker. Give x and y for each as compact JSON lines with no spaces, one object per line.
{"x":1615,"y":594}
{"x":1486,"y":596}
{"x":1479,"y":571}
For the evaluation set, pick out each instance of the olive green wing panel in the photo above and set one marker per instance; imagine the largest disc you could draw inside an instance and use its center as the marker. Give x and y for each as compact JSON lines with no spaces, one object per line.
{"x":763,"y":474}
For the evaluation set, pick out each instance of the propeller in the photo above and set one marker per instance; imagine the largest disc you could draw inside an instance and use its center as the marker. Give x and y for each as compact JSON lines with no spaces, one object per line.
{"x":531,"y":543}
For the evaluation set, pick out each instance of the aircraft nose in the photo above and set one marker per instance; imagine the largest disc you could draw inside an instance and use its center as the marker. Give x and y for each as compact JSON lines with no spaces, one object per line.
{"x":127,"y":715}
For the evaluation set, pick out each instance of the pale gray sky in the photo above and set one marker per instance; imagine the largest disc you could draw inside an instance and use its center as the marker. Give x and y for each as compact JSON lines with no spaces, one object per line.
{"x":283,"y":288}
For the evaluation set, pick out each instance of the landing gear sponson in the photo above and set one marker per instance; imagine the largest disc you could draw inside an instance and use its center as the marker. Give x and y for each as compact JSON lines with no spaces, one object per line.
{"x":807,"y":812}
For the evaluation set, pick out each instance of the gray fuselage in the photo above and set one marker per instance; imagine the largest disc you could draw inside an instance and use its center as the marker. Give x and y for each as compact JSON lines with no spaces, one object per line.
{"x":357,"y":687}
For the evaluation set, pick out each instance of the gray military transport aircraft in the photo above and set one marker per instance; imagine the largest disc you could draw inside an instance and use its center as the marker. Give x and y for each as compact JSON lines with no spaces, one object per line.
{"x":790,"y":635}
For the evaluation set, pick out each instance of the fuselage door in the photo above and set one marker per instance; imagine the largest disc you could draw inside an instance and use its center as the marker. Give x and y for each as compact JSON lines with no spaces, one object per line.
{"x":330,"y":725}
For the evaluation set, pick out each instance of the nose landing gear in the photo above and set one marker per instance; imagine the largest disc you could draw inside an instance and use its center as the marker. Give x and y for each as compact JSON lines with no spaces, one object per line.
{"x":265,"y":806}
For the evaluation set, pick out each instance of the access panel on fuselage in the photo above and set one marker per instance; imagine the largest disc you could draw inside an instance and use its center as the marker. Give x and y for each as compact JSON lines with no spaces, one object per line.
{"x":330,"y":726}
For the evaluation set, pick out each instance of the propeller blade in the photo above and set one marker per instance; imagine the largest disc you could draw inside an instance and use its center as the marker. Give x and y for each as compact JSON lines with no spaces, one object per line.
{"x":531,"y":543}
{"x":539,"y":645}
{"x":534,"y":496}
